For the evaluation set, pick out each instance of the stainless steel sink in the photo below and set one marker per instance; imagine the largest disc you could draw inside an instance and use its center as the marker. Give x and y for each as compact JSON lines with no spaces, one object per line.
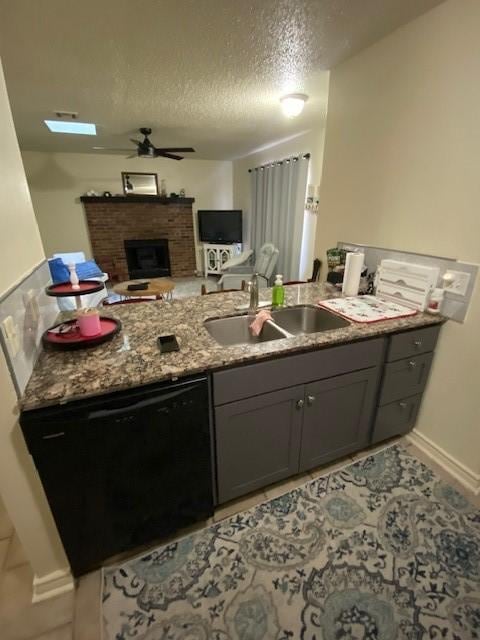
{"x":307,"y":319}
{"x":235,"y":330}
{"x":296,"y":320}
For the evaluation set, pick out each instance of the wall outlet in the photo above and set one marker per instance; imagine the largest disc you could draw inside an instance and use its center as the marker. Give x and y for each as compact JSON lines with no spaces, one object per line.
{"x":10,"y":334}
{"x":459,"y":284}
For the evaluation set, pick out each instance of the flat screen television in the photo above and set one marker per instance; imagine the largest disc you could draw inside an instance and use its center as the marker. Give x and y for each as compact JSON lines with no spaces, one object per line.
{"x":220,"y":227}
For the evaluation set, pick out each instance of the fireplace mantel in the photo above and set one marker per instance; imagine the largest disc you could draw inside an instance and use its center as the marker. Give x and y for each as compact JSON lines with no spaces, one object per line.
{"x":137,"y":198}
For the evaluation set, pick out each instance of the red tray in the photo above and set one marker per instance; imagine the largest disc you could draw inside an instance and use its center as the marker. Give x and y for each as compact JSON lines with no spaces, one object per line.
{"x":63,"y":289}
{"x":72,"y":339}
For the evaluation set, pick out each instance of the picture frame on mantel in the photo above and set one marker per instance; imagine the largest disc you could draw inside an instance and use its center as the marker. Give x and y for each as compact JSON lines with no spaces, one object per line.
{"x":139,"y":184}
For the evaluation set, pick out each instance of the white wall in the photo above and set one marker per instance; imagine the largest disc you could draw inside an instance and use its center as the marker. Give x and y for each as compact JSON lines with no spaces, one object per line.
{"x":309,"y":142}
{"x":401,"y":170}
{"x":20,"y":251}
{"x":57,"y":180}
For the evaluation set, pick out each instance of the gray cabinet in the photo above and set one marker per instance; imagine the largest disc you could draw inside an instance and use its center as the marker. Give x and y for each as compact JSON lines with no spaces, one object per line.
{"x":405,"y":375}
{"x":337,"y":417}
{"x":279,"y":417}
{"x":257,"y":441}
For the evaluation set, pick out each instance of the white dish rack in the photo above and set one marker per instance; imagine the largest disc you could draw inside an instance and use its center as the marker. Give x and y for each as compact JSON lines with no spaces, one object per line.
{"x":405,"y":283}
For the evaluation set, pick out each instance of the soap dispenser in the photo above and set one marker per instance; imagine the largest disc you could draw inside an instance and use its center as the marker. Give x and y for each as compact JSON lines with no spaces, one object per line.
{"x":278,"y":291}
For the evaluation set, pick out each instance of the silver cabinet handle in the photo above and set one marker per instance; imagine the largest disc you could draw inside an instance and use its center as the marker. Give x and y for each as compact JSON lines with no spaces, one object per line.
{"x":412,"y":364}
{"x":300,"y":404}
{"x":310,"y":400}
{"x":417,"y":343}
{"x":403,"y":405}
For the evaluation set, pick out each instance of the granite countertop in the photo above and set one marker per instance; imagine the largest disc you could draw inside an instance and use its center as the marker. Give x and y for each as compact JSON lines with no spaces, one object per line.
{"x":132,"y":358}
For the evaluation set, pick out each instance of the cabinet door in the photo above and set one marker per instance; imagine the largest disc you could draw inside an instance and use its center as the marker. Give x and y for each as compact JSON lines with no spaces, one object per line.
{"x":257,"y":441}
{"x":338,"y":416}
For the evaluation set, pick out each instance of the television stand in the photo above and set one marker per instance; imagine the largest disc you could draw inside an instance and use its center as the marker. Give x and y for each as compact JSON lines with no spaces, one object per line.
{"x":215,"y":255}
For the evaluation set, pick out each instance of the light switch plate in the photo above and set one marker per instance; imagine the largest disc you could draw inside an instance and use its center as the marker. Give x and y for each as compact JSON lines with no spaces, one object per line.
{"x":10,"y":335}
{"x":459,"y":284}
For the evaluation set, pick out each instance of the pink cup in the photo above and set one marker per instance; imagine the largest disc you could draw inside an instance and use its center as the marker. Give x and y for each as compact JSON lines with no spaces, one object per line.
{"x":89,"y":323}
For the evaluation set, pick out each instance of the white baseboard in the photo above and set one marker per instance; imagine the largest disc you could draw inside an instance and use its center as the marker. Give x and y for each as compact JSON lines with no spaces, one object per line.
{"x":468,"y":478}
{"x":51,"y":585}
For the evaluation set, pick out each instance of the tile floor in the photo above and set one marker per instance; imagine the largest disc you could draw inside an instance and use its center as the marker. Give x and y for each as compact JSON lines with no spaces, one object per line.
{"x":76,"y":616}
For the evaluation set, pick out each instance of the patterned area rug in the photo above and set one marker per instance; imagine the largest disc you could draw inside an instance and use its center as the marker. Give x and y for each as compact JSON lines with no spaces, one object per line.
{"x":381,"y":550}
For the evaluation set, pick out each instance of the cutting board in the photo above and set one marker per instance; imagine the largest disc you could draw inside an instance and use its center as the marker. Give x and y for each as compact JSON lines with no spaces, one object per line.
{"x":366,"y":308}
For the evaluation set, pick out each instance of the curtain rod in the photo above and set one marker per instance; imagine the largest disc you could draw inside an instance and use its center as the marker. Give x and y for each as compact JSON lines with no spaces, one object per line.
{"x":305,"y":156}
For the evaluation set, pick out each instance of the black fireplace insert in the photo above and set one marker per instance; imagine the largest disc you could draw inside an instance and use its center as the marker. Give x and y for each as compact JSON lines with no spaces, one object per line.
{"x":147,"y":258}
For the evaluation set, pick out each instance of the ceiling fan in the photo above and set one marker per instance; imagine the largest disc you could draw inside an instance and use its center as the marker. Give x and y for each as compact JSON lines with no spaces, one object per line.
{"x":145,"y":149}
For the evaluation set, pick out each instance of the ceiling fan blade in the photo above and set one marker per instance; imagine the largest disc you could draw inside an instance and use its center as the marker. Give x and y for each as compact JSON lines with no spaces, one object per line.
{"x":162,"y":154}
{"x":180,"y":149}
{"x":137,"y":142}
{"x":134,"y":155}
{"x":111,"y":149}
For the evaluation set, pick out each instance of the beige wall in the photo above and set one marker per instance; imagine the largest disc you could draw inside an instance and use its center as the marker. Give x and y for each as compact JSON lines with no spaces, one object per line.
{"x":309,"y":142}
{"x":57,"y":180}
{"x":20,"y":251}
{"x":401,"y":170}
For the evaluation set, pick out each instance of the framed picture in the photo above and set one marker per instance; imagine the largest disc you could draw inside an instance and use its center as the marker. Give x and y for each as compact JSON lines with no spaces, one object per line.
{"x":139,"y":184}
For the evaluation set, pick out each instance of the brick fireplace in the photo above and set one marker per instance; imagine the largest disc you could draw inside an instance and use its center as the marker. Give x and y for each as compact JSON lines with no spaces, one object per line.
{"x":121,"y":222}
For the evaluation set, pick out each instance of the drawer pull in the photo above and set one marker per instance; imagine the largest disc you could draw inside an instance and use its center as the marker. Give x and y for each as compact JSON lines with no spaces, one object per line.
{"x":403,"y":405}
{"x":54,"y":435}
{"x":299,"y":404}
{"x":412,"y":364}
{"x":417,"y":343}
{"x":310,"y":400}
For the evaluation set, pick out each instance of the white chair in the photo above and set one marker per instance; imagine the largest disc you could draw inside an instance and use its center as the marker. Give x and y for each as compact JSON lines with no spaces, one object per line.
{"x":90,"y":300}
{"x":237,"y":269}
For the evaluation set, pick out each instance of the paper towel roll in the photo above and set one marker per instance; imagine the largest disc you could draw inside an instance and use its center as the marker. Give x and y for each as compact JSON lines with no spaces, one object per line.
{"x":353,"y":271}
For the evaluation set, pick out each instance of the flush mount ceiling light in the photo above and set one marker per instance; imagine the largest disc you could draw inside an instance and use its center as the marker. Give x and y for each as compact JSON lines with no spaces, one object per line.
{"x":292,"y":105}
{"x":81,"y":128}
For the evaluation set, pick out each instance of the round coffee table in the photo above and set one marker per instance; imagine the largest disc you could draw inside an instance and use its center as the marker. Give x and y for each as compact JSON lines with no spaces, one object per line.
{"x":158,"y":287}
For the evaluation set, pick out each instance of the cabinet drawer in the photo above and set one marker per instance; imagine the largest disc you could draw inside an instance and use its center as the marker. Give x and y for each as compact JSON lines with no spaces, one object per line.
{"x":411,"y":343}
{"x":287,"y":371}
{"x":404,"y":378}
{"x":396,"y":418}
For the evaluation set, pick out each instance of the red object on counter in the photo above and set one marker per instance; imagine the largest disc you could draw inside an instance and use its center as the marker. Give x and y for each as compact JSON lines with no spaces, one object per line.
{"x":67,"y":336}
{"x":63,"y":289}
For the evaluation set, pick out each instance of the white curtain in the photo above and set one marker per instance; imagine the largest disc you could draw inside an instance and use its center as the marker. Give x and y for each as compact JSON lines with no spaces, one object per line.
{"x":278,"y":203}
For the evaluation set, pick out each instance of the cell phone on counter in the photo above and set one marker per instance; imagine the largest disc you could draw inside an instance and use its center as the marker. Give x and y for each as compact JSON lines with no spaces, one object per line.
{"x":166,"y":344}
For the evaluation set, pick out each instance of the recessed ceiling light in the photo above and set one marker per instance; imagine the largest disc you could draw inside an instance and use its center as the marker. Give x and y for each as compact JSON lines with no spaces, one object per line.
{"x":81,"y":128}
{"x":292,"y":105}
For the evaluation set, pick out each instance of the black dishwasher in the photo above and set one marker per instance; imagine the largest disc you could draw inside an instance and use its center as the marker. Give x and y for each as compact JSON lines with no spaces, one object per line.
{"x":124,"y":469}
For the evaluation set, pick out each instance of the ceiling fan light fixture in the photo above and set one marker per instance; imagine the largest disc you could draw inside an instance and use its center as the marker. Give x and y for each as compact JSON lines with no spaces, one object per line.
{"x":144,"y":151}
{"x":293,"y":104}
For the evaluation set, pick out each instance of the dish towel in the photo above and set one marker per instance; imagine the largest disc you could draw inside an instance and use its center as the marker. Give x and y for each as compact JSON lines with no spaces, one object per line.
{"x":260,"y":319}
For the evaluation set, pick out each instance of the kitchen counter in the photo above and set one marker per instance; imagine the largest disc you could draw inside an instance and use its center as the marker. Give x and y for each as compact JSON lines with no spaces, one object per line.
{"x":132,"y":358}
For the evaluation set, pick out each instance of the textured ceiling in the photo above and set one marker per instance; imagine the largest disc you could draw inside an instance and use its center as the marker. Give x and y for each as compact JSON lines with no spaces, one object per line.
{"x":202,"y":73}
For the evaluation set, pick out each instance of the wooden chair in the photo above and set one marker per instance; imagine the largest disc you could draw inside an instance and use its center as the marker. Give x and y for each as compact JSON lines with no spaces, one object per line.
{"x":209,"y":293}
{"x":316,"y":270}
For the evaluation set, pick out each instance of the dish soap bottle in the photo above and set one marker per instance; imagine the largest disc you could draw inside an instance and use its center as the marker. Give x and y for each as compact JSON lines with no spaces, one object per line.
{"x":278,"y":291}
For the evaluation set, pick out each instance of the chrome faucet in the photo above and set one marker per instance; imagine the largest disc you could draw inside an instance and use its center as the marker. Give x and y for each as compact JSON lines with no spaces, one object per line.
{"x":253,"y":289}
